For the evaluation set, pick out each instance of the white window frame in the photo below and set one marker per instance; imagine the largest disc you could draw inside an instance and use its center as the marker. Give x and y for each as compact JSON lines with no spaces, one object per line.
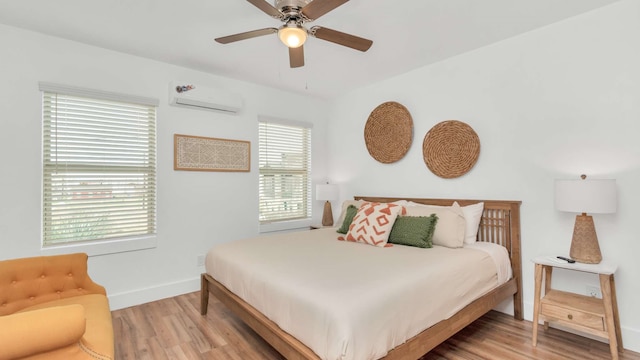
{"x":286,"y":224}
{"x":113,"y":244}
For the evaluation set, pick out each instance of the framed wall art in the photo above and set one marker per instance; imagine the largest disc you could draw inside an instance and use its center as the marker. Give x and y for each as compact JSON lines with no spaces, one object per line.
{"x":197,"y":153}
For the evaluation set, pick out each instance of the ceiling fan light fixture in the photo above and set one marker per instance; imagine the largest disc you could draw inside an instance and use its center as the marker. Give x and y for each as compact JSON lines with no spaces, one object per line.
{"x":292,"y":35}
{"x":294,"y":14}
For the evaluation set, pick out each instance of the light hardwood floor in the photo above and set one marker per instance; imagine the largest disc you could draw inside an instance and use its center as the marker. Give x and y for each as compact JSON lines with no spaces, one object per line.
{"x":174,"y":329}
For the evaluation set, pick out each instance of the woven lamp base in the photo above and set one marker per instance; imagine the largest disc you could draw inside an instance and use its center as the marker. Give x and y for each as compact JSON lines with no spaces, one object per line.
{"x":327,"y":216}
{"x":584,"y":245}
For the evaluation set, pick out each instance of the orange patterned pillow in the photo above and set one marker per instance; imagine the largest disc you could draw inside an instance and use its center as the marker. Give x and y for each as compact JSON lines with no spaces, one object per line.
{"x":373,"y":222}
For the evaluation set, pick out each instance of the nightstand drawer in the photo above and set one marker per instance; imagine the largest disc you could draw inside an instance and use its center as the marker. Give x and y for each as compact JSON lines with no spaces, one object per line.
{"x":573,"y":316}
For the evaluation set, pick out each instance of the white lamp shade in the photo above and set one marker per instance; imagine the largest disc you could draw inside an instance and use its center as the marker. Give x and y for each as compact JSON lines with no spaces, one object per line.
{"x":293,"y":36}
{"x":326,"y":192}
{"x":586,"y":196}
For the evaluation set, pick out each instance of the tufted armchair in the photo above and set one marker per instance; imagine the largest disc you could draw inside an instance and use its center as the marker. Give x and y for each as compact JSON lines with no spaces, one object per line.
{"x":51,"y":309}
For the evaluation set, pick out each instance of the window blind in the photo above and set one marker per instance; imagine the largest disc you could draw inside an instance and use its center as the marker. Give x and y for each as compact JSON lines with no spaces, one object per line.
{"x":99,"y":169}
{"x":285,"y":171}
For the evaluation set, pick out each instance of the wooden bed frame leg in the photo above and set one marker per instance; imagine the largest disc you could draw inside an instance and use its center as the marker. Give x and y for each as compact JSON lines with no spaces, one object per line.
{"x":518,"y":300}
{"x":204,"y":295}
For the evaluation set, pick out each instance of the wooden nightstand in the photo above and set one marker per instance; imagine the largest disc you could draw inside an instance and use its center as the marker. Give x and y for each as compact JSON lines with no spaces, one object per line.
{"x":590,"y":315}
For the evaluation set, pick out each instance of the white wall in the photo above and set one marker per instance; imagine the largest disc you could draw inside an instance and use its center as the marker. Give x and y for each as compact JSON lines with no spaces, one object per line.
{"x":195,"y":209}
{"x":553,"y":103}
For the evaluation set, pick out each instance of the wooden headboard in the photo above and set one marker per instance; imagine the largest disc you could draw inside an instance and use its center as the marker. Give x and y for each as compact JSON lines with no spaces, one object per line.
{"x":500,"y":224}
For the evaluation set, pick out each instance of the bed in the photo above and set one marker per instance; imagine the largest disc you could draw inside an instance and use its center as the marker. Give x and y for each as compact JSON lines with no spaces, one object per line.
{"x":342,"y":328}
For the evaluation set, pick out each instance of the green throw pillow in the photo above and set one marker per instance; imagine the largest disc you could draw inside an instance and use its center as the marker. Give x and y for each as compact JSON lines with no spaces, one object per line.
{"x":348,"y":218}
{"x":414,"y":231}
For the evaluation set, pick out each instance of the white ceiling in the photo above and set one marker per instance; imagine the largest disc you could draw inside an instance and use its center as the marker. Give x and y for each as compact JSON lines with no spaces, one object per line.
{"x":406,"y":34}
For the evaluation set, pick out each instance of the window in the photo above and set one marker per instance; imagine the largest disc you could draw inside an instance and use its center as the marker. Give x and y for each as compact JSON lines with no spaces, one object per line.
{"x":285,"y":170}
{"x":99,"y":165}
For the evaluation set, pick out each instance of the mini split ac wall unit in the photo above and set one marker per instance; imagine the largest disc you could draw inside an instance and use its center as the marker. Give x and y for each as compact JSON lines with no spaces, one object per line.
{"x":194,"y":96}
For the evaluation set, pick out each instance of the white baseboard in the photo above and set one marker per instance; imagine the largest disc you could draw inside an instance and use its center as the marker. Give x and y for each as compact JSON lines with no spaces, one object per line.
{"x":141,"y":296}
{"x":630,"y":337}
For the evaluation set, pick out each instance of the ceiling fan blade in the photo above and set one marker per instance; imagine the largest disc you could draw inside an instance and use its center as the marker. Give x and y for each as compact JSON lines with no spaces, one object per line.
{"x":246,"y":35}
{"x":317,"y":8}
{"x":341,"y":38}
{"x":296,"y":57}
{"x":267,"y":8}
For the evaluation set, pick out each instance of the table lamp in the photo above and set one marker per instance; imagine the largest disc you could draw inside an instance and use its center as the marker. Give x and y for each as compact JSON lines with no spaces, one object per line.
{"x":327,"y":192}
{"x":585,"y":196}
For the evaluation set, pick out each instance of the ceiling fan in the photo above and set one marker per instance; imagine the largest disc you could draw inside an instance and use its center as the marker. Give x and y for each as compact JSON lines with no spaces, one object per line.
{"x":295,"y":14}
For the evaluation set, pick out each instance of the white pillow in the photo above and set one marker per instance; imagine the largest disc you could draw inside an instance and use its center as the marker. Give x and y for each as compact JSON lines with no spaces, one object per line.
{"x":451,"y":225}
{"x":343,"y":211}
{"x":472,"y":215}
{"x":401,"y":202}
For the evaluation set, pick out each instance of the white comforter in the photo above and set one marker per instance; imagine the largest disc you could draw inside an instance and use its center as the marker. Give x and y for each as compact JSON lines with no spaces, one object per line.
{"x":352,"y":301}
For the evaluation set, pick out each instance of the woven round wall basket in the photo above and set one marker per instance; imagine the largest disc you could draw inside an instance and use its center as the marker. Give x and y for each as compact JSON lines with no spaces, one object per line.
{"x":389,"y":132}
{"x":451,"y":149}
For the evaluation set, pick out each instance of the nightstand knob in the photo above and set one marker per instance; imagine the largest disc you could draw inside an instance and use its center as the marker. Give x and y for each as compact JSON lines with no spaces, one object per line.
{"x":570,"y":316}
